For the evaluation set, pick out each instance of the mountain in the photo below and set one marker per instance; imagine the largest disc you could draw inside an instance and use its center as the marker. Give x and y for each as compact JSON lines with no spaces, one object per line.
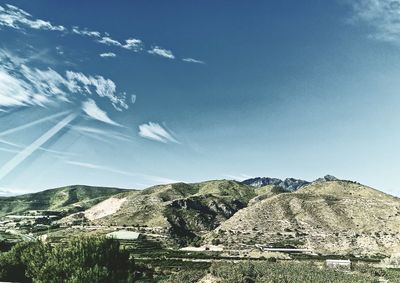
{"x":289,"y":184}
{"x":186,"y":210}
{"x":67,"y":199}
{"x":327,"y":217}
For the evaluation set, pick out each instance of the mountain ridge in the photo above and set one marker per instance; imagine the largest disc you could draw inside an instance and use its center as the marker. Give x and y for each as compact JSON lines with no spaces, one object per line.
{"x":287,"y":184}
{"x":68,"y":198}
{"x":327,"y":216}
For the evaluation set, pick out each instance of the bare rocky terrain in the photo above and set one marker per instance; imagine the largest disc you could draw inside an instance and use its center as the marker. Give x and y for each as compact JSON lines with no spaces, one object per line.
{"x":331,"y":217}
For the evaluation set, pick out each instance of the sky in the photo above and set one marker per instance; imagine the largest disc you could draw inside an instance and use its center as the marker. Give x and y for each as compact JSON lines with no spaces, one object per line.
{"x":136,"y":93}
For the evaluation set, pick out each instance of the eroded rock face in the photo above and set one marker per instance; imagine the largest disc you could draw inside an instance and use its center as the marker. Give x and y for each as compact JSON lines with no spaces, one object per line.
{"x":104,"y":208}
{"x":191,"y":217}
{"x":261,"y":181}
{"x":327,"y":178}
{"x":289,"y":184}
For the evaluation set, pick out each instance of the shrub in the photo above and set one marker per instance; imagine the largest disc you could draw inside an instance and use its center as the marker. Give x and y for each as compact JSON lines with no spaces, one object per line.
{"x":78,"y":260}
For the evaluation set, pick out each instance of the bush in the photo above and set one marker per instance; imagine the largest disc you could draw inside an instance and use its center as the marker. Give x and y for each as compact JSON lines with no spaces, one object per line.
{"x":192,"y":276}
{"x":78,"y":260}
{"x":281,"y":272}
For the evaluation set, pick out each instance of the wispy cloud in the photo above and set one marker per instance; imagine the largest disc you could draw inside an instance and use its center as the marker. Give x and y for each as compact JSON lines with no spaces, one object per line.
{"x":381,"y":16}
{"x":85,"y":32}
{"x":108,"y":55}
{"x":133,"y":44}
{"x":103,"y":134}
{"x":93,"y":111}
{"x":109,"y":41}
{"x":156,"y":50}
{"x":156,"y":132}
{"x":21,"y":85}
{"x":92,"y":166}
{"x":14,"y":17}
{"x":103,"y":87}
{"x":191,"y":60}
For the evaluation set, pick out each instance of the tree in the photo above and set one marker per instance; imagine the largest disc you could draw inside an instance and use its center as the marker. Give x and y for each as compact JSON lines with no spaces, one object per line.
{"x":87,"y":259}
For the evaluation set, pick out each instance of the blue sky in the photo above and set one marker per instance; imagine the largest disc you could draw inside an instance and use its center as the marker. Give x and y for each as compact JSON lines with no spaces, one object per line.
{"x":132,"y":94}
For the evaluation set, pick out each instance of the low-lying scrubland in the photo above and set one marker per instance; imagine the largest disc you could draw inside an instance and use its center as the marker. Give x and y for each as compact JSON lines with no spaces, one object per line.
{"x":97,"y":260}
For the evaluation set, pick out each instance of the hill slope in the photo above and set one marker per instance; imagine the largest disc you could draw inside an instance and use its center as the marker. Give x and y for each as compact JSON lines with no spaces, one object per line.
{"x":69,"y":199}
{"x":186,"y":210}
{"x":331,"y":217}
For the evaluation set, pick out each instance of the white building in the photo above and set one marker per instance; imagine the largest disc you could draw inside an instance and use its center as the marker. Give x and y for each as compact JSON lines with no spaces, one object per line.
{"x":338,"y":263}
{"x":123,"y":235}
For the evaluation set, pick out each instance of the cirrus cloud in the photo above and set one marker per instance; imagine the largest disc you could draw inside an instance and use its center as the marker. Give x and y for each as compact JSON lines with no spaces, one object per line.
{"x":156,"y":50}
{"x":156,"y":132}
{"x":108,"y":55}
{"x":22,"y":85}
{"x":93,"y":111}
{"x":381,"y":16}
{"x":14,"y":17}
{"x":191,"y":60}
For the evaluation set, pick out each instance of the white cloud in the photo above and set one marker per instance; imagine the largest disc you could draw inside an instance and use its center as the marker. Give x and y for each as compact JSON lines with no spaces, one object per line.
{"x":85,"y":32}
{"x":161,"y":52}
{"x":93,"y":111}
{"x":108,"y":55}
{"x":191,"y":60}
{"x":156,"y":132}
{"x":103,"y":87}
{"x":130,"y":43}
{"x":381,"y":16}
{"x":133,"y":44}
{"x":21,"y":85}
{"x":13,"y":92}
{"x":109,"y":41}
{"x":16,"y":18}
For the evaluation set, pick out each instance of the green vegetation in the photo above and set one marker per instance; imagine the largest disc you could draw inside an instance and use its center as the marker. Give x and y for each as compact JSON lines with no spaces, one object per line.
{"x":78,"y":260}
{"x":261,"y":272}
{"x":189,"y":276}
{"x":69,"y":199}
{"x":98,"y":260}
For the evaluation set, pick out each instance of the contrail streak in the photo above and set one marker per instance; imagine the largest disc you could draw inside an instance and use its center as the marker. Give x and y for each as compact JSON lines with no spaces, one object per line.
{"x":21,"y":146}
{"x":25,"y":153}
{"x":19,"y":128}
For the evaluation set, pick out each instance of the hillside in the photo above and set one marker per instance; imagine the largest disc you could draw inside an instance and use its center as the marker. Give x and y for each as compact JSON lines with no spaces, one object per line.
{"x":69,"y":199}
{"x":186,"y":210}
{"x":328,"y":217}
